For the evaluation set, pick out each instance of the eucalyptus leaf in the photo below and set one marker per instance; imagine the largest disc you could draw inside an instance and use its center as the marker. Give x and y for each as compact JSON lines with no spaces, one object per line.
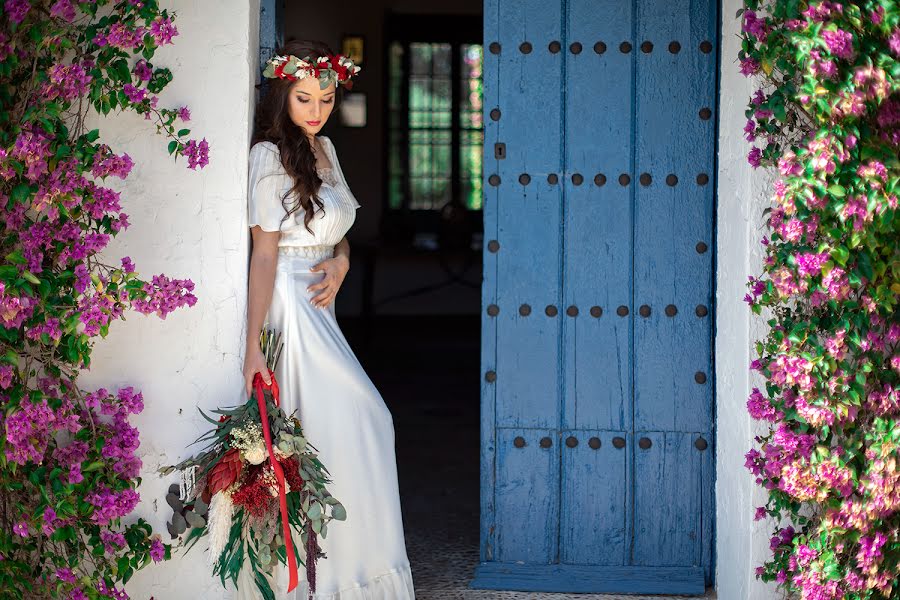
{"x":200,"y":507}
{"x":193,"y":519}
{"x":338,"y":512}
{"x":179,"y":524}
{"x":175,"y":502}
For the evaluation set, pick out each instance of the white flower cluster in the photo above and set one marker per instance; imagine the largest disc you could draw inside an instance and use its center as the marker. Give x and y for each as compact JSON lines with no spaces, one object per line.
{"x":249,"y":440}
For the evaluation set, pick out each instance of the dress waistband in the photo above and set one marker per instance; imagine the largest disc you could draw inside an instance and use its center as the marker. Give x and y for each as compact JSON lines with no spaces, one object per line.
{"x":315,"y":252}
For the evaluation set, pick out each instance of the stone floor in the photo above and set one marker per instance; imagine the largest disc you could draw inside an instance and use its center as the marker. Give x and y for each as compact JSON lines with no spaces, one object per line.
{"x":429,"y":379}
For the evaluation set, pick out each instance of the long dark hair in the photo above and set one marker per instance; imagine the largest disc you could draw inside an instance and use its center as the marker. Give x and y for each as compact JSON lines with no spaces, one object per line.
{"x":273,"y":124}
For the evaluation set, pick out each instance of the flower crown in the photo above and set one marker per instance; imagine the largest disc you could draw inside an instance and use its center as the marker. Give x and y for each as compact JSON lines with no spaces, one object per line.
{"x":336,"y":67}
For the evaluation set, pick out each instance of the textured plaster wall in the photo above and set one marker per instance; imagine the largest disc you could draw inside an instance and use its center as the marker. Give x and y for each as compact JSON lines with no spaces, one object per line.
{"x":185,"y":224}
{"x":743,"y":192}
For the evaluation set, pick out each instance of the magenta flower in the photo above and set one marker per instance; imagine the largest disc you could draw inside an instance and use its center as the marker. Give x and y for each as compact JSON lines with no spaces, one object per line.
{"x":51,"y":522}
{"x":64,"y":10}
{"x":839,"y":42}
{"x":119,"y":36}
{"x":184,"y":114}
{"x":111,"y":505}
{"x":6,"y":376}
{"x":749,"y":66}
{"x":163,"y":30}
{"x":754,"y":25}
{"x":17,"y":9}
{"x":759,"y":407}
{"x":165,"y":295}
{"x":112,"y":542}
{"x":134,"y":94}
{"x":106,"y":163}
{"x":894,"y":42}
{"x":66,"y":82}
{"x":810,"y":263}
{"x":127,"y":264}
{"x":157,"y":550}
{"x":754,"y":157}
{"x":142,"y":70}
{"x":21,"y":529}
{"x":197,"y":153}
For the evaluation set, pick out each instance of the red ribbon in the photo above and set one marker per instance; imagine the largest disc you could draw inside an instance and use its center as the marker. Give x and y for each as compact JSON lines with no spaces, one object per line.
{"x":279,"y":473}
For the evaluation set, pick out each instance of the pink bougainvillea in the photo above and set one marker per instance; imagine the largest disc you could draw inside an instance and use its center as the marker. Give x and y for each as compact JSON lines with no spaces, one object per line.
{"x":826,"y":119}
{"x":69,"y":469}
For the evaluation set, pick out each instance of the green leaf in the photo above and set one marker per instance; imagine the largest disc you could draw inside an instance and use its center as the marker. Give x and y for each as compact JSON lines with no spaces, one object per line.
{"x":840,"y":255}
{"x":183,"y":132}
{"x":172,"y":146}
{"x":21,"y":192}
{"x":836,"y":190}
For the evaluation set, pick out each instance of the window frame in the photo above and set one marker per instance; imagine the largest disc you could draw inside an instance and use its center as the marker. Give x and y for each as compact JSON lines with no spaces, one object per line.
{"x":406,"y":29}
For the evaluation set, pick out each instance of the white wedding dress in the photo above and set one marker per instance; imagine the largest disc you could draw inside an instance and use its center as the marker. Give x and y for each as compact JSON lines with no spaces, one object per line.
{"x":340,"y":410}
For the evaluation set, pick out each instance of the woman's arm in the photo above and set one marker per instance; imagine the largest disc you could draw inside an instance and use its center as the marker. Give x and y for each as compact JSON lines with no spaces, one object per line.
{"x":263,"y":261}
{"x":342,"y":248}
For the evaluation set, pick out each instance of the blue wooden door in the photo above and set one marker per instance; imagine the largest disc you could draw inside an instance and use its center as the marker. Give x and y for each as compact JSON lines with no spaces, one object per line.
{"x":597,"y":404}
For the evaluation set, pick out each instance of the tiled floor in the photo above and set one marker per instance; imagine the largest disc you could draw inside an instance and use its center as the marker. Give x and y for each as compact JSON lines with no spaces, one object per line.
{"x":429,"y":380}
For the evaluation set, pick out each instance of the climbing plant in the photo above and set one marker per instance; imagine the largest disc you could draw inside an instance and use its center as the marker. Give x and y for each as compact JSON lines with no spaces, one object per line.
{"x":68,"y":469}
{"x":826,"y":119}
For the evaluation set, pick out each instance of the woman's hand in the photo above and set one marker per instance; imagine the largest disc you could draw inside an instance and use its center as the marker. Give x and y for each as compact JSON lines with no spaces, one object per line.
{"x":255,"y":362}
{"x":335,"y":270}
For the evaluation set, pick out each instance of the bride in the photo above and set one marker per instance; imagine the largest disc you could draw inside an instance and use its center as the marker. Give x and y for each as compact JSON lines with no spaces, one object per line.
{"x":300,"y":208}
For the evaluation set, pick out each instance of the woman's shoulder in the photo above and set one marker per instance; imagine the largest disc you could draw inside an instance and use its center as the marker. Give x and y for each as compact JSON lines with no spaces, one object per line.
{"x":262,"y":147}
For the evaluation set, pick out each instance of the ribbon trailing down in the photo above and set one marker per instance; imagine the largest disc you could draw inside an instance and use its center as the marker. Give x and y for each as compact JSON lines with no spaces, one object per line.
{"x":279,"y":472}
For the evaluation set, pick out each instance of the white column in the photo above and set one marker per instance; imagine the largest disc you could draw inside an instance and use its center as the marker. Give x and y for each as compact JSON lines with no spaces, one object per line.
{"x":743,"y":193}
{"x":186,"y":224}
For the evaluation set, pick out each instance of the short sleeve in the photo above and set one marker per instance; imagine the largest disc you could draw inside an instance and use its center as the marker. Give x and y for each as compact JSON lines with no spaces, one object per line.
{"x":266,"y":185}
{"x":336,"y":165}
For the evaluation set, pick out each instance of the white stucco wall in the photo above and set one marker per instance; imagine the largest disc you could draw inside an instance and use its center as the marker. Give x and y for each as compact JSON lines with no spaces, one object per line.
{"x":741,"y":543}
{"x":185,"y":224}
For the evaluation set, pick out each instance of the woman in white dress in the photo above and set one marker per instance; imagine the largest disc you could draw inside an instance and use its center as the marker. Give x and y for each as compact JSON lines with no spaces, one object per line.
{"x":300,"y":208}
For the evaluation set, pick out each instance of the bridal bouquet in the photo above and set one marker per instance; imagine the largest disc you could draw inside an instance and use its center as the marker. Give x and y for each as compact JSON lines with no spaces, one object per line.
{"x":257,"y":478}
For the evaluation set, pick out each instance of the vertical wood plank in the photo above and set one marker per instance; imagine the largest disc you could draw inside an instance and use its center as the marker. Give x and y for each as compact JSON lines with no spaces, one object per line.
{"x":707,"y":506}
{"x":671,"y":218}
{"x":527,"y":492}
{"x":491,"y":94}
{"x":525,"y":222}
{"x":667,"y":502}
{"x":594,"y":499}
{"x":598,"y":221}
{"x":528,"y":216}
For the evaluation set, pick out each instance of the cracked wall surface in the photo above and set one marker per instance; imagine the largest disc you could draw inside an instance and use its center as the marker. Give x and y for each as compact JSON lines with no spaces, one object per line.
{"x":185,"y":224}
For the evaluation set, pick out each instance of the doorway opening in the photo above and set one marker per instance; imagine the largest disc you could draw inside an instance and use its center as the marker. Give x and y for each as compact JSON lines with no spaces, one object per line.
{"x":412,"y":308}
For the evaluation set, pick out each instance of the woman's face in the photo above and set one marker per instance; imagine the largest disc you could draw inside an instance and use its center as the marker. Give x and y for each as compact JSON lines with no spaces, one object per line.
{"x":309,"y":106}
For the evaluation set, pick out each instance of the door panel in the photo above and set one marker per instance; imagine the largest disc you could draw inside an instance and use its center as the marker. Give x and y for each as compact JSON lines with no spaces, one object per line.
{"x":595,"y":498}
{"x":527,"y":496}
